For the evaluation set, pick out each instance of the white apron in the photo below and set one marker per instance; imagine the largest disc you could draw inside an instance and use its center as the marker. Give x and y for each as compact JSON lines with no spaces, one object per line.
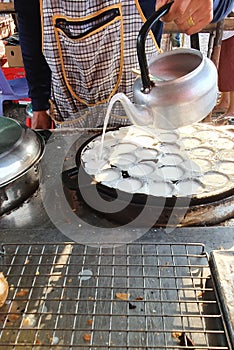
{"x":90,"y":47}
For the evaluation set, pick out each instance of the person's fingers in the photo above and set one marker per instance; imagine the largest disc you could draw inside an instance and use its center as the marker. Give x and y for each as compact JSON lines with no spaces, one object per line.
{"x":177,"y":9}
{"x":198,"y":13}
{"x":160,"y":3}
{"x":191,"y":16}
{"x":194,"y":21}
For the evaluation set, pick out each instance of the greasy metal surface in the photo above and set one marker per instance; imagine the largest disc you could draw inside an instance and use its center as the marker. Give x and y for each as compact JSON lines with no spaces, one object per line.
{"x":222,"y":268}
{"x":135,"y":296}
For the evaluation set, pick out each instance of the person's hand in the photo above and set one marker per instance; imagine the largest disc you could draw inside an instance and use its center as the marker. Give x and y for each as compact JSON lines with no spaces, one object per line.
{"x":41,"y":120}
{"x":190,"y":16}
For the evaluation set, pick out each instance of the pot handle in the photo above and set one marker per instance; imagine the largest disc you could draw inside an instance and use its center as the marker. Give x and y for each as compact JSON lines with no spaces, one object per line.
{"x":146,"y":82}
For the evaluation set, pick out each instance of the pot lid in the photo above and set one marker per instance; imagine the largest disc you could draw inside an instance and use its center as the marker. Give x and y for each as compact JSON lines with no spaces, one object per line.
{"x":20,"y":148}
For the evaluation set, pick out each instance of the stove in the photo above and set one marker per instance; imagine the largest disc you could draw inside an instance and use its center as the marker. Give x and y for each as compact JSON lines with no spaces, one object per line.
{"x":55,"y":208}
{"x":182,"y":177}
{"x":68,"y":263}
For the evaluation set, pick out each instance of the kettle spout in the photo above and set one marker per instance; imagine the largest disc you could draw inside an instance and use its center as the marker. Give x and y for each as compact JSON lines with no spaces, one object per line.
{"x":139,"y":115}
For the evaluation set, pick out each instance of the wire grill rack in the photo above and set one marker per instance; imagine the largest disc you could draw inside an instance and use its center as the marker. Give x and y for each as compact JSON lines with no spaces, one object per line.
{"x":135,"y":296}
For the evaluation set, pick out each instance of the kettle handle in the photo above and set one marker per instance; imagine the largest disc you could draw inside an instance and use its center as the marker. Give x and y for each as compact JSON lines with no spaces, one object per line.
{"x":146,"y":82}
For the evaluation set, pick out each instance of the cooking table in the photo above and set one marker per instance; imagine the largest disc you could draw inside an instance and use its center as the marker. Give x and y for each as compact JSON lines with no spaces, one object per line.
{"x":71,"y":272}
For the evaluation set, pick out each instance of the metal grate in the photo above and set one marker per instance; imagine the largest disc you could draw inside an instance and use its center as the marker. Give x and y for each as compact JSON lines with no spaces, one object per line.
{"x":136,"y":296}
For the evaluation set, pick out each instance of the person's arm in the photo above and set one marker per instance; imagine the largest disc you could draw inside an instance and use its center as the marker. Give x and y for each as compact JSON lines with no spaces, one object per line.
{"x":38,"y":73}
{"x":37,"y":70}
{"x":221,"y":9}
{"x":191,"y":16}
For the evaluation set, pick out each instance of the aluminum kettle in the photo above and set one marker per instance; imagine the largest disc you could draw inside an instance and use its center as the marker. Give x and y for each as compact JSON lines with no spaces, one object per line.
{"x":178,"y":88}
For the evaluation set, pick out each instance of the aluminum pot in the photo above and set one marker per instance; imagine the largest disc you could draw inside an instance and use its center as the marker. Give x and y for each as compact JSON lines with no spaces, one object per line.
{"x":21,"y":150}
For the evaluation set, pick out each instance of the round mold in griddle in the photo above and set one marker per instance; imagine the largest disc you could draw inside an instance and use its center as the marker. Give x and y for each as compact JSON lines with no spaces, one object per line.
{"x":226,"y":155}
{"x":188,"y":130}
{"x":190,"y":142}
{"x":222,"y":143}
{"x":141,"y":169}
{"x":189,"y":187}
{"x":93,"y":166}
{"x":207,"y":134}
{"x":160,"y":189}
{"x":108,"y":175}
{"x":201,"y":152}
{"x":129,"y":185}
{"x":169,"y":147}
{"x":214,"y":180}
{"x":170,"y":173}
{"x":144,"y":140}
{"x":146,"y":154}
{"x":123,"y":147}
{"x":122,"y":161}
{"x":94,"y":154}
{"x":172,"y":159}
{"x":198,"y":165}
{"x":168,"y":137}
{"x":225,"y":167}
{"x":192,"y":168}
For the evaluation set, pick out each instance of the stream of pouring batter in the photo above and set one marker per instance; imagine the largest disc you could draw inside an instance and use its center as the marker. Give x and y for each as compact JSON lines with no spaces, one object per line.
{"x":106,"y":120}
{"x":114,"y":99}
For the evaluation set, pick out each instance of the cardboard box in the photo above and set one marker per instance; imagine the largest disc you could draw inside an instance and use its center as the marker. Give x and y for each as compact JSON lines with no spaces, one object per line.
{"x":14,"y":56}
